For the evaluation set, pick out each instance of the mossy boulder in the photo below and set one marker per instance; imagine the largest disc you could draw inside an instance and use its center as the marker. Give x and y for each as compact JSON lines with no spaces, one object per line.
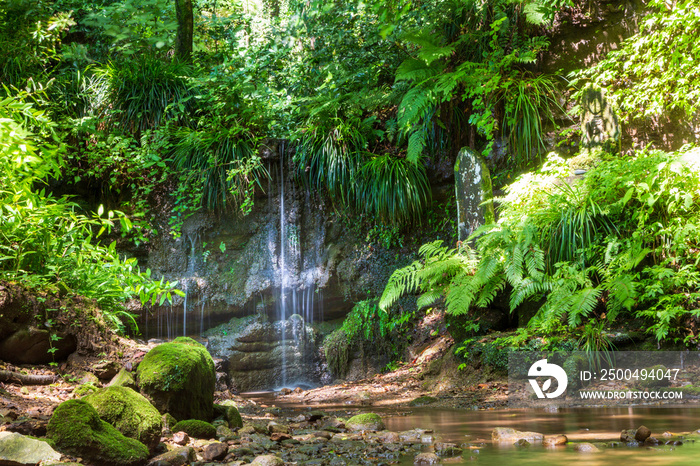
{"x":195,"y":428}
{"x":368,"y":421}
{"x":129,"y":412}
{"x":78,"y":430}
{"x":231,"y":414}
{"x":179,"y":378}
{"x":124,"y":378}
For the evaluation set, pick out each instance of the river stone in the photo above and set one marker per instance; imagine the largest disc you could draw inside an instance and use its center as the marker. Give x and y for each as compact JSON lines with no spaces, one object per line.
{"x":368,"y":421}
{"x":586,"y":448}
{"x":555,"y":440}
{"x":177,"y":457}
{"x":447,"y":449}
{"x":642,"y":434}
{"x":426,"y":458}
{"x":178,"y":378}
{"x":267,"y":460}
{"x":472,"y":188}
{"x":627,"y":435}
{"x":18,"y":450}
{"x":508,"y":435}
{"x":215,"y":451}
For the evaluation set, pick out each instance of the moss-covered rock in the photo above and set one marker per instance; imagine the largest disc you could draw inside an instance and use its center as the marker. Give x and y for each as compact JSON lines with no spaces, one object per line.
{"x":179,"y":378}
{"x":78,"y":430}
{"x":231,"y":414}
{"x":422,"y":401}
{"x":124,"y":378}
{"x":368,"y":421}
{"x":129,"y":412}
{"x":195,"y":428}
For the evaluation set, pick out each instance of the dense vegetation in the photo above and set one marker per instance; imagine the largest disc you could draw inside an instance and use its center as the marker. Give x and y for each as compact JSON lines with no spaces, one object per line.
{"x":103,"y":100}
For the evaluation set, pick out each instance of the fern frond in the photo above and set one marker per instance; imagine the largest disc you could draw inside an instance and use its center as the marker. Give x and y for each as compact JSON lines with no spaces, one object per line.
{"x":428,"y":298}
{"x":401,"y":282}
{"x":583,"y":304}
{"x":416,"y":145}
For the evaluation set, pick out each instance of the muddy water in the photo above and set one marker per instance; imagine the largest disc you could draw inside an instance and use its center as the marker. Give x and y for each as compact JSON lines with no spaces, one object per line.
{"x":596,"y":425}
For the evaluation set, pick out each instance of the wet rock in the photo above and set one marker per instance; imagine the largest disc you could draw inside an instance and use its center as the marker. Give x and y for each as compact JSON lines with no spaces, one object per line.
{"x":285,"y":391}
{"x":267,"y":460}
{"x":215,"y":451}
{"x":642,"y":434}
{"x":651,"y":441}
{"x":555,"y":440}
{"x":314,"y":416}
{"x":223,"y":432}
{"x":105,"y":370}
{"x":177,"y":457}
{"x":522,"y":443}
{"x":388,"y":437}
{"x":181,"y":438}
{"x":508,"y":435}
{"x":426,"y":458}
{"x":447,"y":449}
{"x":18,"y":450}
{"x":586,"y":448}
{"x":627,"y":435}
{"x":368,"y":421}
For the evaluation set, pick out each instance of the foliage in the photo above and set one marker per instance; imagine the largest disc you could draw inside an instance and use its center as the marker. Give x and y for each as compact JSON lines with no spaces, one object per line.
{"x":629,"y":245}
{"x":655,"y":72}
{"x":46,"y":242}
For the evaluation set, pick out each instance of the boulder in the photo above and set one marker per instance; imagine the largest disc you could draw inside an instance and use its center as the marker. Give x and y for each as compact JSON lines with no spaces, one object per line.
{"x":426,"y":458}
{"x":586,"y":448}
{"x":178,"y":378}
{"x":18,"y":450}
{"x":510,"y":436}
{"x":31,"y":345}
{"x":231,"y":414}
{"x":555,"y":440}
{"x":368,"y":421}
{"x":642,"y":433}
{"x":78,"y":430}
{"x":196,"y":428}
{"x":129,"y":412}
{"x":124,"y":378}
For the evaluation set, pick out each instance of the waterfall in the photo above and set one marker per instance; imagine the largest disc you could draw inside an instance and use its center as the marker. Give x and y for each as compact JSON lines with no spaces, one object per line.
{"x":282,"y":314}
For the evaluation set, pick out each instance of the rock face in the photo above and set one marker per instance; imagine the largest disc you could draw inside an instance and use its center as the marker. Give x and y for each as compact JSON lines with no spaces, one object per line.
{"x":472,"y":188}
{"x":129,"y":412}
{"x":18,"y":450}
{"x":78,"y":430}
{"x":263,"y":354}
{"x":178,"y":378}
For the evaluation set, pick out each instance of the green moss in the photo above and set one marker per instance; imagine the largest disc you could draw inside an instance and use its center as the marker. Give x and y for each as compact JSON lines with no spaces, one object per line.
{"x":129,"y":412}
{"x":179,"y":378}
{"x":85,"y":389}
{"x":336,"y":348}
{"x":367,"y":421}
{"x":231,"y":414}
{"x":78,"y":430}
{"x":195,"y":428}
{"x":124,"y":379}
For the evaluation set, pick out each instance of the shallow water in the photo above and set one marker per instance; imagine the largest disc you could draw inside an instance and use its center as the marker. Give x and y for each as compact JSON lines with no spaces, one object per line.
{"x":595,"y":424}
{"x":579,"y":425}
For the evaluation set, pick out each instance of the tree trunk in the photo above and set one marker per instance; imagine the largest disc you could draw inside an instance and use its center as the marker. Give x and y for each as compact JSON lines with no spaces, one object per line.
{"x":185,"y":30}
{"x":26,"y":379}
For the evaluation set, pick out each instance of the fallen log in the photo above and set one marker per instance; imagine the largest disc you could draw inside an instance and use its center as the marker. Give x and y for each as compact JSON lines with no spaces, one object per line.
{"x":26,"y":379}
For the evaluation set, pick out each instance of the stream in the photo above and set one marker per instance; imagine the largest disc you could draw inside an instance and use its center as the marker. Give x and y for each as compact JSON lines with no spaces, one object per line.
{"x":597,"y":425}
